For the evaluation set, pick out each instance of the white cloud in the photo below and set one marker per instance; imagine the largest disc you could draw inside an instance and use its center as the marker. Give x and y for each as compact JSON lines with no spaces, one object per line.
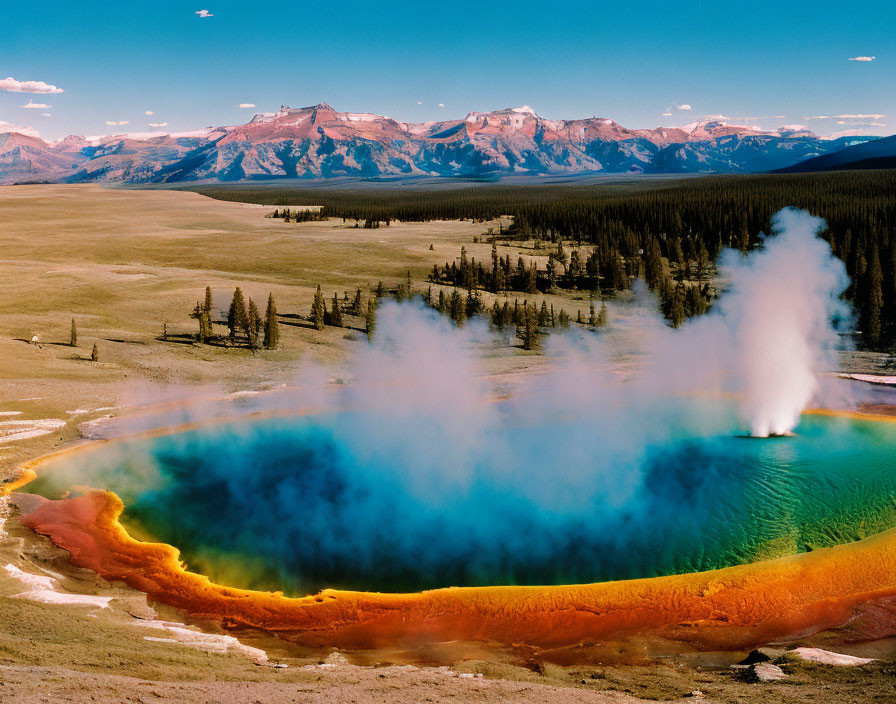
{"x":10,"y":127}
{"x":419,"y":102}
{"x":441,"y":105}
{"x":11,"y":85}
{"x":157,"y":124}
{"x":149,"y":112}
{"x":667,"y":114}
{"x":860,"y":116}
{"x":683,"y":106}
{"x":847,"y":116}
{"x":31,"y":105}
{"x":204,"y":13}
{"x":46,"y":114}
{"x":863,"y":58}
{"x":114,"y":123}
{"x":247,"y":105}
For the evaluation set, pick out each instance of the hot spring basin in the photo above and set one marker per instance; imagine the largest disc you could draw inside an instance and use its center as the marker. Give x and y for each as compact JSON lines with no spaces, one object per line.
{"x":297,"y":505}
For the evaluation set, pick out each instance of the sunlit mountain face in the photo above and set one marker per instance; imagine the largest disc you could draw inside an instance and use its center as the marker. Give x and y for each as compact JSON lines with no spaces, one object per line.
{"x":319,"y":142}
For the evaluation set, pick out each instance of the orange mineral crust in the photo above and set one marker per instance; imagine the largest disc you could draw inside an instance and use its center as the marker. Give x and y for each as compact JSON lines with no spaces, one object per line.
{"x":731,"y":608}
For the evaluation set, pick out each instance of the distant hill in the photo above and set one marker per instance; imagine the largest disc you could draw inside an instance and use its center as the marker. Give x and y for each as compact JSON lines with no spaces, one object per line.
{"x":876,"y":154}
{"x":318,"y":142}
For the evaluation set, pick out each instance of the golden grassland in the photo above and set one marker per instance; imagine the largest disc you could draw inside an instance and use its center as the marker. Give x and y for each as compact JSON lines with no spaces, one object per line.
{"x":123,"y":263}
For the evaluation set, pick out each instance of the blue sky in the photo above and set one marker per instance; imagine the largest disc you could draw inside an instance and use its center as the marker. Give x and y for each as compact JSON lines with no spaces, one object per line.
{"x":761,"y":63}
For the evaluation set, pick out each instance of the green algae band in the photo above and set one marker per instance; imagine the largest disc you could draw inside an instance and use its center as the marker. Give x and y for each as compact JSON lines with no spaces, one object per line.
{"x":303,"y":503}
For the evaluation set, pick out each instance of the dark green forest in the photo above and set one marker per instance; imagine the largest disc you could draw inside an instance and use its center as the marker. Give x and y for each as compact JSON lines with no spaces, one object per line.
{"x":683,"y":221}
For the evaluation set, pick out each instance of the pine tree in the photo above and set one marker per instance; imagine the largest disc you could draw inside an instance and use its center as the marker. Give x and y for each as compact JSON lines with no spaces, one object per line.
{"x":254,"y":320}
{"x":200,"y":315}
{"x":496,"y":317}
{"x":544,"y":317}
{"x":371,"y":317}
{"x":602,"y":317}
{"x":579,"y":318}
{"x":457,"y":309}
{"x":356,"y":303}
{"x":318,"y":310}
{"x":528,"y":331}
{"x":209,"y":303}
{"x":95,"y":354}
{"x":532,"y":279}
{"x":237,"y":316}
{"x":271,"y":325}
{"x":563,"y":319}
{"x":335,"y":313}
{"x":73,"y":340}
{"x":592,"y":319}
{"x":676,"y":314}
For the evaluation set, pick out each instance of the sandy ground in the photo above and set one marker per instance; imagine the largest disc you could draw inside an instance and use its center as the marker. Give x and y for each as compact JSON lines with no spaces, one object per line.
{"x":123,"y":263}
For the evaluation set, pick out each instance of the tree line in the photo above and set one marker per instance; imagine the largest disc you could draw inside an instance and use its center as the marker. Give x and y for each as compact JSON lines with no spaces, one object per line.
{"x":688,"y":220}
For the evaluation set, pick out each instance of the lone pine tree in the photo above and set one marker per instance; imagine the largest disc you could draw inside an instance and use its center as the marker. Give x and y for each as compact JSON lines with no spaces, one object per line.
{"x":371,"y":317}
{"x":271,"y":325}
{"x":318,"y":310}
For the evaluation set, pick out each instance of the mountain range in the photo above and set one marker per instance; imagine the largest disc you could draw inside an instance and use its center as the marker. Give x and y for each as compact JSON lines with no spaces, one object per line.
{"x":877,"y":154}
{"x":317,"y":142}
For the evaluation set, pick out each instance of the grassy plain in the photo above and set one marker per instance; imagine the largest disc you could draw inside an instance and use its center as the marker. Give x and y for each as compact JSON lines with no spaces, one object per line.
{"x":123,"y":263}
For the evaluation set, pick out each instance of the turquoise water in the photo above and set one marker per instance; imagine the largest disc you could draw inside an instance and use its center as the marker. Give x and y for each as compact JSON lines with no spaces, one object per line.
{"x":299,"y":504}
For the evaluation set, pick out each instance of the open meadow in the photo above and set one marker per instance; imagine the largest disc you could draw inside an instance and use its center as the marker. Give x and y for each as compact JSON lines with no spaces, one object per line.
{"x":129,"y":266}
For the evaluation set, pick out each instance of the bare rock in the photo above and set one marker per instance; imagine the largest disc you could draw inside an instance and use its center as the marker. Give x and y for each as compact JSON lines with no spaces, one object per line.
{"x":762,"y":655}
{"x":336,"y":658}
{"x":826,"y":657}
{"x":765,"y":672}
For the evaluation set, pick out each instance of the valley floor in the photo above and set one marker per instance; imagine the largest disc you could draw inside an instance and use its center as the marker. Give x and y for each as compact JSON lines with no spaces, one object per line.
{"x":124,"y":263}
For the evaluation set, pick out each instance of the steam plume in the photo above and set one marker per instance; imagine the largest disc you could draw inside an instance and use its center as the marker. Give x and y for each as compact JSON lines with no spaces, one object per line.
{"x":423,"y":474}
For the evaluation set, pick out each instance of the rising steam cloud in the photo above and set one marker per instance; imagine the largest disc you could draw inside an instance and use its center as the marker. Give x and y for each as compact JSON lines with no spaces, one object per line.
{"x":775,"y":330}
{"x":584,"y":473}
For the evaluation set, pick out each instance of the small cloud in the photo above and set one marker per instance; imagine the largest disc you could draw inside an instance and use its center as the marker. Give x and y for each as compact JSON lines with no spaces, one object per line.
{"x":860,"y":116}
{"x":419,"y":102}
{"x":441,"y":105}
{"x":204,"y":13}
{"x":116,"y":123}
{"x":848,"y":116}
{"x":46,"y":114}
{"x":157,"y":124}
{"x":667,"y":114}
{"x":11,"y":85}
{"x":21,"y":129}
{"x":864,"y":59}
{"x":149,"y":112}
{"x":683,"y":106}
{"x":31,"y":105}
{"x":247,"y":105}
{"x":841,"y":122}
